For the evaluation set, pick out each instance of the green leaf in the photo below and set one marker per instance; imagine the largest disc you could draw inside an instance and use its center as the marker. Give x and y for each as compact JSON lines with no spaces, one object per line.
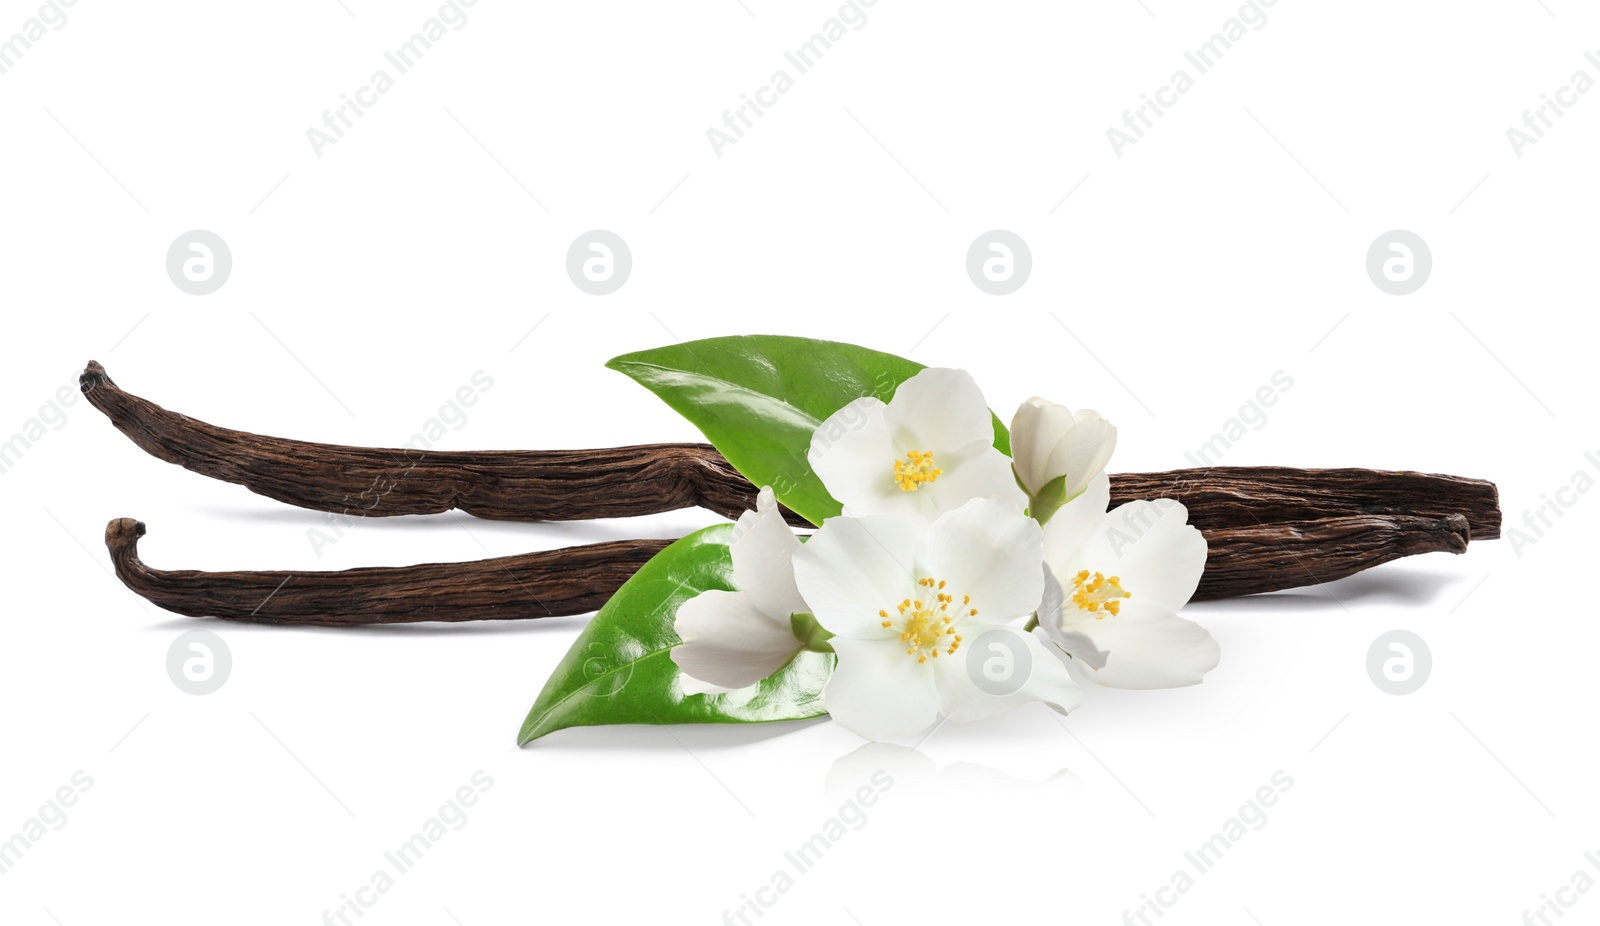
{"x":759,"y":398}
{"x":620,"y":670}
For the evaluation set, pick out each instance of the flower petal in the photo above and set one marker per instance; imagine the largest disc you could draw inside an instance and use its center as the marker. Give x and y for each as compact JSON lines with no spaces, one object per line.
{"x":1148,"y":647}
{"x":854,"y":567}
{"x":1083,"y":451}
{"x":693,"y":686}
{"x":1002,"y":668}
{"x":853,"y":453}
{"x":763,"y":550}
{"x":975,"y":471}
{"x":990,"y":550}
{"x":1152,"y":547}
{"x":879,"y":692}
{"x":939,"y":410}
{"x":1036,"y":430}
{"x":728,"y":643}
{"x":1072,"y":529}
{"x":1066,"y":639}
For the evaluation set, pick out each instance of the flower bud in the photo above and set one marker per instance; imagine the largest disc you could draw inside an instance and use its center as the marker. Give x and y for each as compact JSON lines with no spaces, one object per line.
{"x":1056,"y":453}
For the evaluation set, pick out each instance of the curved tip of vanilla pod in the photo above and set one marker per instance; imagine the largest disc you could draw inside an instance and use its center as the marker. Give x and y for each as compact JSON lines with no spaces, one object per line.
{"x":1455,"y":533}
{"x":122,"y":537}
{"x":93,"y":375}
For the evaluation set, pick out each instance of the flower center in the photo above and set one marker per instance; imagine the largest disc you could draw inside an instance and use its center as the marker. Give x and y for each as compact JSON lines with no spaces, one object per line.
{"x":1098,"y":594}
{"x":928,"y":622}
{"x":915,"y":471}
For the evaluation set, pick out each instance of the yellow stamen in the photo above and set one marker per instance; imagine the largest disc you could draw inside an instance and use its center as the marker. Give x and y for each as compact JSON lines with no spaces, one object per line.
{"x":1097,"y":594}
{"x":915,"y":471}
{"x":929,"y":627}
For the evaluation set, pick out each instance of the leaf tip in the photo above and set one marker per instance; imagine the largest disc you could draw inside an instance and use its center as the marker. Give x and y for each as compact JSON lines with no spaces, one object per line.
{"x":534,"y":726}
{"x":621,"y":361}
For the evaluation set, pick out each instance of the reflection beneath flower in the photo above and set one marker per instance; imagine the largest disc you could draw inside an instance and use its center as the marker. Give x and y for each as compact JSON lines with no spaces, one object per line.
{"x":916,"y":773}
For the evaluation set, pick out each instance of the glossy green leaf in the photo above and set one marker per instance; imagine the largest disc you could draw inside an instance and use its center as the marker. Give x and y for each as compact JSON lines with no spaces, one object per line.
{"x":759,"y":398}
{"x":620,"y":670}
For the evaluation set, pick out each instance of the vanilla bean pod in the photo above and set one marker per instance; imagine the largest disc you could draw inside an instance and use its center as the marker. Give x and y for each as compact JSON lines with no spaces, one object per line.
{"x":539,"y":485}
{"x":576,"y":580}
{"x":552,"y":583}
{"x":507,"y":485}
{"x":1273,"y":557}
{"x":1245,"y":496}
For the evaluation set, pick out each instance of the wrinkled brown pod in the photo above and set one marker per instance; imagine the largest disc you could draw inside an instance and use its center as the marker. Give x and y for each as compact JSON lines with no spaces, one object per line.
{"x":1273,"y":557}
{"x":553,"y":583}
{"x":1268,"y":528}
{"x":1241,"y":561}
{"x":506,"y":485}
{"x":553,"y":485}
{"x":1242,"y":496}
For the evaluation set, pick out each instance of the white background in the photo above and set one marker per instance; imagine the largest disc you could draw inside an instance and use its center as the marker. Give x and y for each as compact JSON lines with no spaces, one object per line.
{"x":370,"y":283}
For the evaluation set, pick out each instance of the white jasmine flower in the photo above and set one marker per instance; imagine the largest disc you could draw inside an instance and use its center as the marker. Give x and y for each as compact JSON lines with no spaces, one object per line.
{"x":929,"y":451}
{"x":908,"y":603}
{"x":1117,"y":580}
{"x":735,"y":639}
